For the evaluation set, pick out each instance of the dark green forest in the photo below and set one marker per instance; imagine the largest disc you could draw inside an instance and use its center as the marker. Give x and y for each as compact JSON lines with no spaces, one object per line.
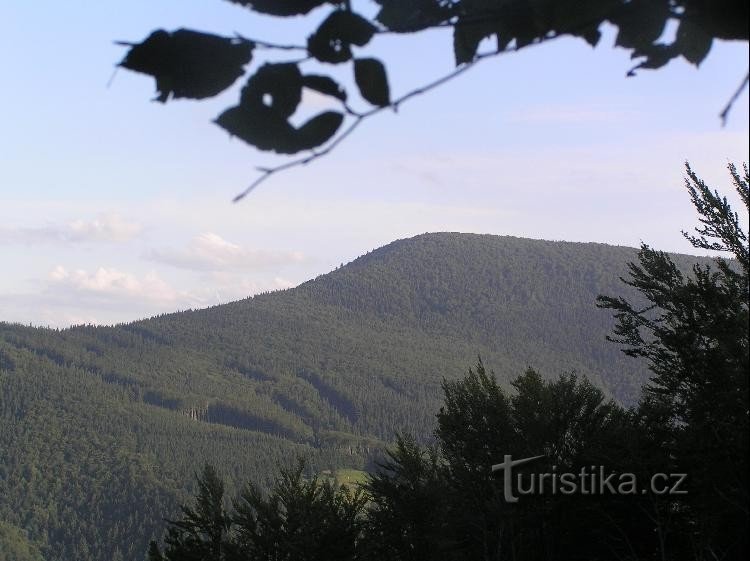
{"x":104,"y":428}
{"x":664,"y":479}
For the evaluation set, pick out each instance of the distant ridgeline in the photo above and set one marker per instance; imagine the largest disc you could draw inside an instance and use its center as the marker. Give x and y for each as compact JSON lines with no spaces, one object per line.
{"x":103,"y":428}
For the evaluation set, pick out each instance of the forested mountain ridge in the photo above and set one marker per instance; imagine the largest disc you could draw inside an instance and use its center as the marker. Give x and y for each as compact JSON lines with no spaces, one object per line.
{"x":102,"y":427}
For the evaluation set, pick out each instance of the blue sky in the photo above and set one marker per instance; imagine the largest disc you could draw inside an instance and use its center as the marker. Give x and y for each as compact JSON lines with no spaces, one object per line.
{"x":114,"y":208}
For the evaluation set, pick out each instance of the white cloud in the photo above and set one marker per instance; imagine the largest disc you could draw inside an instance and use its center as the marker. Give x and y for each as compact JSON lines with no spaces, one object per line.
{"x":108,"y":227}
{"x":106,"y":295}
{"x":211,"y":252}
{"x":112,"y":283}
{"x":222,"y":287}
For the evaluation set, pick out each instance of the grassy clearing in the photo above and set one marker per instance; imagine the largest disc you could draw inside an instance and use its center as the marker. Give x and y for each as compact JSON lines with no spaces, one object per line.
{"x":351,"y":478}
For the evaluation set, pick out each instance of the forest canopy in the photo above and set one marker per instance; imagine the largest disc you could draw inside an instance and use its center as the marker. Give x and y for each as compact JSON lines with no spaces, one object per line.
{"x":442,"y":503}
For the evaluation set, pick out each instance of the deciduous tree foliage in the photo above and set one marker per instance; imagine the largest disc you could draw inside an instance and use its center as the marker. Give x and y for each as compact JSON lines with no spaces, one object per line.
{"x":442,"y":503}
{"x":693,"y":332}
{"x":301,"y":518}
{"x":196,"y":65}
{"x":201,"y":533}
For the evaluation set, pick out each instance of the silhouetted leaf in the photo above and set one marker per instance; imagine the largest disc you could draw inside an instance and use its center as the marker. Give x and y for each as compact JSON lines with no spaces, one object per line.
{"x":278,"y":87}
{"x":579,"y":18}
{"x":693,"y":42}
{"x":319,"y":130}
{"x":270,"y":97}
{"x":404,"y":17}
{"x":266,"y":131}
{"x":332,"y":41}
{"x":466,"y":39}
{"x":259,"y":127}
{"x":189,"y":64}
{"x":591,"y":35}
{"x":656,"y":56}
{"x":282,"y":7}
{"x":369,"y":73}
{"x":324,"y":85}
{"x":508,"y":21}
{"x":640,"y":22}
{"x":728,"y":20}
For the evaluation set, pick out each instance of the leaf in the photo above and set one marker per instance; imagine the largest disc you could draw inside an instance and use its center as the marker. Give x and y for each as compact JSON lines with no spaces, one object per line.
{"x":189,"y":64}
{"x":640,"y":22}
{"x":324,"y":85}
{"x":267,"y":101}
{"x":468,"y":36}
{"x":481,"y":19}
{"x":319,"y":130}
{"x":692,"y":41}
{"x":283,"y":7}
{"x":266,"y":131}
{"x":416,"y":15}
{"x":278,"y":87}
{"x":722,"y":20}
{"x":259,"y":127}
{"x":332,"y":41}
{"x":656,"y":56}
{"x":371,"y":79}
{"x":591,"y":34}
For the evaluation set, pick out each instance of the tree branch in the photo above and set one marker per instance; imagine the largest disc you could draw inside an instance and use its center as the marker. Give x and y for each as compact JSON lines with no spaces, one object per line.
{"x":268,"y":45}
{"x":725,"y":112}
{"x":268,"y":172}
{"x":360,"y":117}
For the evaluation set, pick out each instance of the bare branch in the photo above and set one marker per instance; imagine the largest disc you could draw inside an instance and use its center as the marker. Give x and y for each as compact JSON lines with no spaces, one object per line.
{"x":267,"y":45}
{"x":725,"y":112}
{"x":268,"y":172}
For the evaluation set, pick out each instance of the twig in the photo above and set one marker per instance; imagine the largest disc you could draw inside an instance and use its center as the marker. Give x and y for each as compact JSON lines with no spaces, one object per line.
{"x":725,"y":113}
{"x":268,"y":172}
{"x":440,"y":81}
{"x":112,"y":78}
{"x":359,"y":117}
{"x":267,"y":45}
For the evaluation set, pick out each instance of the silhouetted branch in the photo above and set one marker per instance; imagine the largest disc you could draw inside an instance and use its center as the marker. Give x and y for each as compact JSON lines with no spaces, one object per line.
{"x":360,"y":117}
{"x":268,"y":45}
{"x":725,"y":113}
{"x":268,"y":172}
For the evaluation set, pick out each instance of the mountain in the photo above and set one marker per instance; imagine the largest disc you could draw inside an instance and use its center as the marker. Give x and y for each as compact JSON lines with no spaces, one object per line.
{"x":103,"y":427}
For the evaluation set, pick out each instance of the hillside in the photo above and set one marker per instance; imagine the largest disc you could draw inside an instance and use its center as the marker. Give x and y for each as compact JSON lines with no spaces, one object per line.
{"x":103,"y":427}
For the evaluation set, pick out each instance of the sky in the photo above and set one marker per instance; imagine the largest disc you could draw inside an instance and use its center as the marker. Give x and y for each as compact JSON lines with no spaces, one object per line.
{"x":115,"y":208}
